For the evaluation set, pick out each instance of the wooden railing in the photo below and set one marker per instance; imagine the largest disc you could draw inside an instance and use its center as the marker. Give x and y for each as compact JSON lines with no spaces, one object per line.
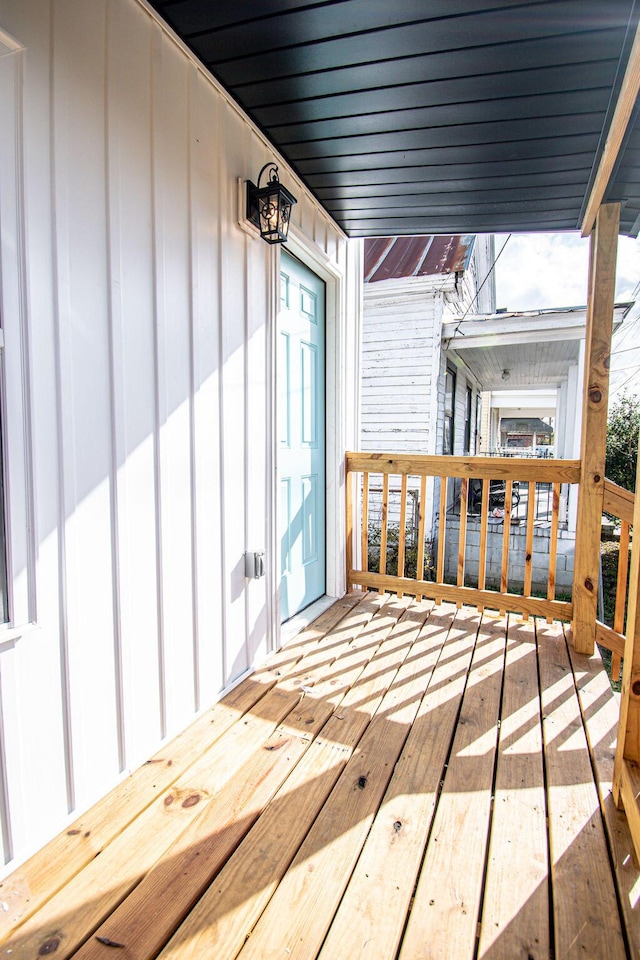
{"x":619,"y":503}
{"x":624,"y":640}
{"x":393,"y":472}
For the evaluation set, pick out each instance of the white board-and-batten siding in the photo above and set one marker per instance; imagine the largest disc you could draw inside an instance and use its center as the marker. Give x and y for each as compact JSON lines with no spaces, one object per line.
{"x":139,"y":326}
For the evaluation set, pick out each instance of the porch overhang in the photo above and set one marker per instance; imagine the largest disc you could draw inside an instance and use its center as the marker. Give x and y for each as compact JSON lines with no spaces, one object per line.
{"x":535,"y":346}
{"x":439,"y":116}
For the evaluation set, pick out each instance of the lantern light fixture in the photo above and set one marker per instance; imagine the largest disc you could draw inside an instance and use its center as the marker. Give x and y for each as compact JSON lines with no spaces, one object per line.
{"x":269,"y":207}
{"x":506,"y":374}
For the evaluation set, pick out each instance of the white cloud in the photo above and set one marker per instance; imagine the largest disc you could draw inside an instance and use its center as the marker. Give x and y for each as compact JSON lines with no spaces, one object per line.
{"x":628,"y":269}
{"x":550,"y":270}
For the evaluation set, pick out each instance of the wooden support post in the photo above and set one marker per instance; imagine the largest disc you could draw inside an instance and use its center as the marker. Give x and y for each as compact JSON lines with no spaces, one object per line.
{"x":348,"y":487}
{"x":628,"y":748}
{"x":602,"y":274}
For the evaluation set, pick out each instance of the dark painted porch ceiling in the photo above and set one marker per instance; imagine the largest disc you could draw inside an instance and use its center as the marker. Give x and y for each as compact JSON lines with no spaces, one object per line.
{"x":430,"y":116}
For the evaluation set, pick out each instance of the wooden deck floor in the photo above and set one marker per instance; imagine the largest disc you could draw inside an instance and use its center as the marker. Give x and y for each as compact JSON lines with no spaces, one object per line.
{"x":401,"y":780}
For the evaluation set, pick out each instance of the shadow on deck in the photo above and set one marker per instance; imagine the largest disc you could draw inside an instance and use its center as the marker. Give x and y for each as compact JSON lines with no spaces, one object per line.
{"x":401,"y":780}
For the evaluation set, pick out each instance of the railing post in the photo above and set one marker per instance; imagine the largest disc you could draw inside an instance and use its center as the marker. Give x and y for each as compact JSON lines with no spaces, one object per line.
{"x":602,"y":272}
{"x":349,"y":481}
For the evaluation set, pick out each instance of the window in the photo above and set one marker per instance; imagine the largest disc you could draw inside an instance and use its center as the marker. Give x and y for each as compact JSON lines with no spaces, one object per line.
{"x":467,"y":420}
{"x":449,"y":410}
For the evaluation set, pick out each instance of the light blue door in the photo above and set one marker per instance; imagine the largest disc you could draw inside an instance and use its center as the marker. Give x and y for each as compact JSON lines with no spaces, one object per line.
{"x":301,"y":428}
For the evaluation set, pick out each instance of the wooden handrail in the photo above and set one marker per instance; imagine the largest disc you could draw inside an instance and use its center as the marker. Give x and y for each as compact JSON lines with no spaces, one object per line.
{"x":626,"y":780}
{"x":618,"y":501}
{"x":610,"y":639}
{"x":492,"y":468}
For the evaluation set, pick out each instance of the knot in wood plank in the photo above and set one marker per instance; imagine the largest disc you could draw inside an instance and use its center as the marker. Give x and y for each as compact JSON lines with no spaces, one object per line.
{"x":49,"y":946}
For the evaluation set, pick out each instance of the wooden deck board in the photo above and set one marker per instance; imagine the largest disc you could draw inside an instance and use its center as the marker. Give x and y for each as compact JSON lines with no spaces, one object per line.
{"x":587,"y":921}
{"x":49,"y":869}
{"x":378,"y":789}
{"x":244,"y":887}
{"x":447,"y":899}
{"x":373,"y":911}
{"x":299,"y":914}
{"x":516,"y":900}
{"x":149,"y":916}
{"x":86,"y":900}
{"x":600,"y":713}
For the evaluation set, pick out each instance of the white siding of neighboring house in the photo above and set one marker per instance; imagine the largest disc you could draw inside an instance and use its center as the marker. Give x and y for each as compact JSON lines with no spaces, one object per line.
{"x":479,"y":279}
{"x":138,"y":386}
{"x":401,"y":363}
{"x":403,"y":366}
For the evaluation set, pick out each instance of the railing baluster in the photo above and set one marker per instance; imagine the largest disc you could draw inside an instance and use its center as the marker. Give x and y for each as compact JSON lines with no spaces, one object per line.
{"x":365,"y":522}
{"x":384,"y":521}
{"x":528,"y":559}
{"x":462,"y":542}
{"x":402,"y":533}
{"x":349,"y":482}
{"x":553,"y":545}
{"x":422,"y":507}
{"x":506,"y":533}
{"x":621,"y":592}
{"x":442,"y":520}
{"x":484,"y":523}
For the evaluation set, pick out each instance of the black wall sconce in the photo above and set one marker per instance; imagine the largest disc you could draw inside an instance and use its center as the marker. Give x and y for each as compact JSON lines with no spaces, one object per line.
{"x":269,"y":207}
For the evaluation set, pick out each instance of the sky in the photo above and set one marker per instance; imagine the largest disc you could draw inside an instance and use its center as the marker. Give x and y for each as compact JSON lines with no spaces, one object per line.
{"x":550,"y":270}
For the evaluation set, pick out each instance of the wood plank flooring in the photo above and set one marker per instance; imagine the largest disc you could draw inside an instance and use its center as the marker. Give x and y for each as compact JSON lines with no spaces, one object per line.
{"x":402,"y":780}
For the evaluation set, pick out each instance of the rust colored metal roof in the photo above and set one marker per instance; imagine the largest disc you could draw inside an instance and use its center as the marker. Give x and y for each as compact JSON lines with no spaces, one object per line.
{"x":392,"y":258}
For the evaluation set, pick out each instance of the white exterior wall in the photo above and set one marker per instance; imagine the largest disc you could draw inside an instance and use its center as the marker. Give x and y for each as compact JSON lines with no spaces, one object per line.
{"x":475,"y":291}
{"x":138,"y":393}
{"x":400,"y":364}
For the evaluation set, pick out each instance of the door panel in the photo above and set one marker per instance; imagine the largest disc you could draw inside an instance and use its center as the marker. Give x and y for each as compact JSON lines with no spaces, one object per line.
{"x":301,"y":426}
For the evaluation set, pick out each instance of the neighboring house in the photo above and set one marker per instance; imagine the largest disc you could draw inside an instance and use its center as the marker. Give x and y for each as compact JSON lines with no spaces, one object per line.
{"x":528,"y":363}
{"x":412,"y":399}
{"x":527,"y":435}
{"x":439,"y":377}
{"x":139,"y":401}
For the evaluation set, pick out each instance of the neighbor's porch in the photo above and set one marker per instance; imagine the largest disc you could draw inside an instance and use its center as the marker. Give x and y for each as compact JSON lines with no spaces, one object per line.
{"x":401,"y":780}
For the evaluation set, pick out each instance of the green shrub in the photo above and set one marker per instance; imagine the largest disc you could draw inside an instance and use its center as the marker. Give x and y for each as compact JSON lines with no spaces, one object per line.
{"x":410,"y":552}
{"x":623,"y":426}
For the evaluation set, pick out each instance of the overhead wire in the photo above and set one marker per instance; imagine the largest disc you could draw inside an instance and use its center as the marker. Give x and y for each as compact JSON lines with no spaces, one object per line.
{"x":488,"y":274}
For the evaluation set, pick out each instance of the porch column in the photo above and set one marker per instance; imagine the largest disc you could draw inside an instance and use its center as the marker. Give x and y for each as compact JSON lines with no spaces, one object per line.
{"x":602,"y":275}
